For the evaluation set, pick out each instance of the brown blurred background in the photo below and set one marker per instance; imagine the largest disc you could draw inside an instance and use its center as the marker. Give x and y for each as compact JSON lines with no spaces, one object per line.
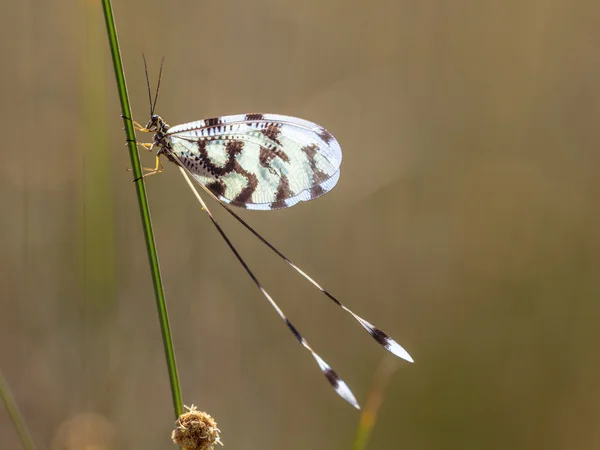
{"x":466,"y":224}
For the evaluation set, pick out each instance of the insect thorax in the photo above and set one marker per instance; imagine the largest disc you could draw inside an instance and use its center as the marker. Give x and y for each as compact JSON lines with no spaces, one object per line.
{"x":160,"y":137}
{"x":185,"y":157}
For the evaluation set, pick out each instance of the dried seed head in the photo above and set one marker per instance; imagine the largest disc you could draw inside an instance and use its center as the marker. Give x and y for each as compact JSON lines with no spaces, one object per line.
{"x":196,"y":430}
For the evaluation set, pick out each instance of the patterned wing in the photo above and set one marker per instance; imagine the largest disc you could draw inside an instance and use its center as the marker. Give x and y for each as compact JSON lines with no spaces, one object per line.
{"x":259,"y":161}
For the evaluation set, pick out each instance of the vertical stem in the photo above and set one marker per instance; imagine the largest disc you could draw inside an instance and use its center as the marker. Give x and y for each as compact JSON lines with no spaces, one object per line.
{"x":368,"y":416}
{"x":144,"y":208}
{"x":15,"y":414}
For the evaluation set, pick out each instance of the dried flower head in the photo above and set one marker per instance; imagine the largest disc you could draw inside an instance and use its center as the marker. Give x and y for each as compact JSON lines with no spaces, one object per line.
{"x":196,"y":430}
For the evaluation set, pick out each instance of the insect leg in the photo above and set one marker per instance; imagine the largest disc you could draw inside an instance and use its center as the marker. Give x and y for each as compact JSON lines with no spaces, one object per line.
{"x":137,"y":125}
{"x":158,"y":168}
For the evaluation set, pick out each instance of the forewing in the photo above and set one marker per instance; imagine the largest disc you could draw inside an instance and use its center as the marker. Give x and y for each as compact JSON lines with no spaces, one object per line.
{"x":259,"y":161}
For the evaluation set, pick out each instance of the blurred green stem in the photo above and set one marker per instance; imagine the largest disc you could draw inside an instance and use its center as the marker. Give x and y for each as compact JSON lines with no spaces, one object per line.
{"x":144,"y":208}
{"x":368,"y":416}
{"x":15,"y":414}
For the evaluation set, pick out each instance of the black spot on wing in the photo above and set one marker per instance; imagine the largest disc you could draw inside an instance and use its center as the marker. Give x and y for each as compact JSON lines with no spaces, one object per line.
{"x":283,"y":193}
{"x":281,"y":154}
{"x":212,"y":122}
{"x":325,"y":135}
{"x":265,"y":157}
{"x":310,"y":151}
{"x":216,"y":187}
{"x":272,"y":131}
{"x":283,"y":190}
{"x":317,"y":191}
{"x":318,"y":175}
{"x":234,"y":148}
{"x":250,"y":117}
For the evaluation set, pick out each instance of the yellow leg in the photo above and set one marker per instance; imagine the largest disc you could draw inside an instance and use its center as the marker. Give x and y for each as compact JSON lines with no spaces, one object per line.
{"x":147,"y":146}
{"x":151,"y":171}
{"x":139,"y":127}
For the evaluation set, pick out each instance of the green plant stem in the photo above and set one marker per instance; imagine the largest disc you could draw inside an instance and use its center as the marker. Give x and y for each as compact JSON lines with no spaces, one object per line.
{"x":144,"y":209}
{"x":15,"y":414}
{"x":368,"y":416}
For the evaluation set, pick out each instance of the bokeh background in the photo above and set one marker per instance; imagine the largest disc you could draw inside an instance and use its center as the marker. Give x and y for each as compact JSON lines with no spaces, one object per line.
{"x":466,"y":223}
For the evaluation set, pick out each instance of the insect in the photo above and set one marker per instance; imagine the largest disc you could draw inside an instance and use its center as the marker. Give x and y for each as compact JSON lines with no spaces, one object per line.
{"x":259,"y":162}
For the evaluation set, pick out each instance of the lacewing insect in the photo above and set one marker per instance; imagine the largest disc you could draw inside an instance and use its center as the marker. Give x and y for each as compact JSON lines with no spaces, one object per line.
{"x":259,"y":162}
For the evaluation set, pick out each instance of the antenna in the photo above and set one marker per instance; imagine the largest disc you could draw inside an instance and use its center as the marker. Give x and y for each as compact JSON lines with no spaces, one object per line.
{"x":162,"y":62}
{"x":148,"y":84}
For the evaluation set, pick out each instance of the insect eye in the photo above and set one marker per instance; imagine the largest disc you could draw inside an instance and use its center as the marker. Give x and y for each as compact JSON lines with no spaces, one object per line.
{"x":154,"y":118}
